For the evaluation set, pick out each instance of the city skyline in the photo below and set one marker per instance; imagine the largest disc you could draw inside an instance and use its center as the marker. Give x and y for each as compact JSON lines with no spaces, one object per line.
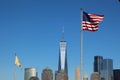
{"x":33,"y":28}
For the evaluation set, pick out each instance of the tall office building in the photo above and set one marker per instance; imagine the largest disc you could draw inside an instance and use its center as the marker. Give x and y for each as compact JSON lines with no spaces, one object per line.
{"x":62,"y":65}
{"x":107,"y":71}
{"x":29,"y":73}
{"x":47,"y":74}
{"x":77,"y":73}
{"x":116,"y":73}
{"x":62,"y":72}
{"x":98,"y":63}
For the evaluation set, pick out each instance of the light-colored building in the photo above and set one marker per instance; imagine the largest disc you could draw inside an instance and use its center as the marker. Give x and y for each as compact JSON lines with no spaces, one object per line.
{"x":62,"y":65}
{"x":30,"y":72}
{"x":62,"y":72}
{"x":85,"y":77}
{"x":77,"y":73}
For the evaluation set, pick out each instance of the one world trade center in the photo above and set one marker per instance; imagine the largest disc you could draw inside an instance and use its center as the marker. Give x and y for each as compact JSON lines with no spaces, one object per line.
{"x":62,"y":65}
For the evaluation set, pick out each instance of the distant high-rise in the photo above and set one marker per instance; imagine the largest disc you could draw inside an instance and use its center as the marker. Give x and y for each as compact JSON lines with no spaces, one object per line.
{"x":107,"y":71}
{"x":47,"y":74}
{"x":29,"y":73}
{"x":116,"y":73}
{"x":62,"y":65}
{"x":95,"y":76}
{"x":77,"y":73}
{"x":98,"y":63}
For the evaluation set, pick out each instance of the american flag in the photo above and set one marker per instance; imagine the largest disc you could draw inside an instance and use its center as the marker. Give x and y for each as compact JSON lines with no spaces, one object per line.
{"x":90,"y":21}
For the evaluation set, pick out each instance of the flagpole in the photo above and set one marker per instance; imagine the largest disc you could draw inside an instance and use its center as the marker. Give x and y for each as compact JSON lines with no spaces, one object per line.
{"x":14,"y":67}
{"x":81,"y":48}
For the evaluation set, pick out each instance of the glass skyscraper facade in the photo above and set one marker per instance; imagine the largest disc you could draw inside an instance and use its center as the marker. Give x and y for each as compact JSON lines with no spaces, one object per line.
{"x":62,"y":65}
{"x":62,"y":72}
{"x":98,"y":64}
{"x":107,"y":71}
{"x":104,"y":67}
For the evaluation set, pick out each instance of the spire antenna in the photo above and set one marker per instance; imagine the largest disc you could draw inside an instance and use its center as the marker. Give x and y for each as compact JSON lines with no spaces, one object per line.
{"x":63,"y":32}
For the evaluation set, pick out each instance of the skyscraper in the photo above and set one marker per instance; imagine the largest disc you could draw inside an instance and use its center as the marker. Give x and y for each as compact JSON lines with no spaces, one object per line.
{"x":98,"y":63}
{"x":47,"y":74}
{"x":62,"y":65}
{"x":107,"y":71}
{"x":62,"y":72}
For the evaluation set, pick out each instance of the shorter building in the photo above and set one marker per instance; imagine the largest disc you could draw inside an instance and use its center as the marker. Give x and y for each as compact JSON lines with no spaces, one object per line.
{"x":47,"y":74}
{"x":116,"y":73}
{"x":34,"y":78}
{"x":85,"y":77}
{"x":61,"y":75}
{"x":95,"y":76}
{"x":29,"y":73}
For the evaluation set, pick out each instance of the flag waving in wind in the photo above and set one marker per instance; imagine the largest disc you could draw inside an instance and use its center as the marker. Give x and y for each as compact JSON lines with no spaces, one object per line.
{"x":17,"y":62}
{"x":90,"y":21}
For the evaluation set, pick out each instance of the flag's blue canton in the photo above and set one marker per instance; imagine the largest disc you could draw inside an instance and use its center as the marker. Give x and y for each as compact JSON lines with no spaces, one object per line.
{"x":86,"y":17}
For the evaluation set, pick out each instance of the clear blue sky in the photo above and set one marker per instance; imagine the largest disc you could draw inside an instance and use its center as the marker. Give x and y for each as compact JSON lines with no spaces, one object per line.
{"x":33,"y":29}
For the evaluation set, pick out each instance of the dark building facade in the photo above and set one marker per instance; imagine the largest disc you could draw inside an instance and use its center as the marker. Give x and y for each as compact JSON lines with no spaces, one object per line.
{"x":47,"y":74}
{"x":98,"y":63}
{"x":116,"y":73}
